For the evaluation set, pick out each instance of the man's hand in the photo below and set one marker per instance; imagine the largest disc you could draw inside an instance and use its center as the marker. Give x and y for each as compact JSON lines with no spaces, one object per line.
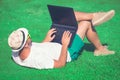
{"x":49,"y":37}
{"x":66,"y":38}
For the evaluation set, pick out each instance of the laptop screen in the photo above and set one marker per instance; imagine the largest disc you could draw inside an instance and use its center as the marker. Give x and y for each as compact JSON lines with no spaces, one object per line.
{"x":62,"y":15}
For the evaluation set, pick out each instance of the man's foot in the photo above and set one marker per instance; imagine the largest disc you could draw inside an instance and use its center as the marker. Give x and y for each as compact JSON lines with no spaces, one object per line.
{"x":101,"y":17}
{"x":103,"y":52}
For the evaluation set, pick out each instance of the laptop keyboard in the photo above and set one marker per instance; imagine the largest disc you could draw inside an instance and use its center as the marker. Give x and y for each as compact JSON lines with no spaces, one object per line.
{"x":60,"y":29}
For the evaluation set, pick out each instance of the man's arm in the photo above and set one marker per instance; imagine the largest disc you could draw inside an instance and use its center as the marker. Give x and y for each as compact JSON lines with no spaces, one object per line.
{"x":63,"y":56}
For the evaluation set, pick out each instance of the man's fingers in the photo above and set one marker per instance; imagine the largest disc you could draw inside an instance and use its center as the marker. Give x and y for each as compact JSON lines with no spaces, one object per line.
{"x":53,"y":29}
{"x":53,"y":36}
{"x":67,"y":33}
{"x":70,"y":35}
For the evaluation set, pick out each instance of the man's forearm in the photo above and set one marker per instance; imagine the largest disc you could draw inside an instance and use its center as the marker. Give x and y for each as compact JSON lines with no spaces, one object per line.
{"x":45,"y":40}
{"x":62,"y":59}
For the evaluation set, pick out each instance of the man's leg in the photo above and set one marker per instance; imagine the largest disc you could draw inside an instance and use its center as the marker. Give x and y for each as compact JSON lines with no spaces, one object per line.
{"x":85,"y":29}
{"x":81,"y":16}
{"x":97,"y":18}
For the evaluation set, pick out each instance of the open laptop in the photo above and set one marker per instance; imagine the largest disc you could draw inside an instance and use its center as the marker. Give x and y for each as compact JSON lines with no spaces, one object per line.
{"x":63,"y":19}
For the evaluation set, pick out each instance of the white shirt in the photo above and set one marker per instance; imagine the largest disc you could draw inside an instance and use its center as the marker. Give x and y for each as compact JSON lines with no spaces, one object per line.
{"x":42,"y":55}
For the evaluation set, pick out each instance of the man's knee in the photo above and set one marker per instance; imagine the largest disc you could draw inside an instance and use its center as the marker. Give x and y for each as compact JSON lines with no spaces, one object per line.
{"x":84,"y":24}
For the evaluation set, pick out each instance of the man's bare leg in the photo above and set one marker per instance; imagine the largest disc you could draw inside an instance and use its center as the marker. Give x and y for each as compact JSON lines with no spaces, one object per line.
{"x":81,"y":16}
{"x":97,"y":18}
{"x":85,"y":29}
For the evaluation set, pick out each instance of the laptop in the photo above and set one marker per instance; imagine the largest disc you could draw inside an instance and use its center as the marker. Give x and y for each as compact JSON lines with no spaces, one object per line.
{"x":63,"y":19}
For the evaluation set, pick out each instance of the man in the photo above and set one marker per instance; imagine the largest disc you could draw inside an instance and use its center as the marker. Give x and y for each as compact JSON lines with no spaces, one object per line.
{"x":48,"y":54}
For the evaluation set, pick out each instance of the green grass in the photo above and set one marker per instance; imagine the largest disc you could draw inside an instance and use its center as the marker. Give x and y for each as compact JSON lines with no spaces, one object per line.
{"x":33,"y":14}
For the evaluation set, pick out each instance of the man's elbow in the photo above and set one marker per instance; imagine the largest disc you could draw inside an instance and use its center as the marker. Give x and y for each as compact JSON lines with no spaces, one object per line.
{"x":62,"y":64}
{"x":58,"y":64}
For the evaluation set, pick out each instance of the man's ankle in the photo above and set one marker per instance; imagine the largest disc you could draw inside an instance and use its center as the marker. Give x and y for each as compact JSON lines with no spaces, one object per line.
{"x":101,"y":47}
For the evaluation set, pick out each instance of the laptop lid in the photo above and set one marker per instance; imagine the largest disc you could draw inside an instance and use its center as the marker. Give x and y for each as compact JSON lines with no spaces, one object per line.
{"x":62,"y":15}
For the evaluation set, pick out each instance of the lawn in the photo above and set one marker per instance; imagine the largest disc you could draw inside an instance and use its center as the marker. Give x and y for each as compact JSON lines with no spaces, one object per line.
{"x":33,"y":15}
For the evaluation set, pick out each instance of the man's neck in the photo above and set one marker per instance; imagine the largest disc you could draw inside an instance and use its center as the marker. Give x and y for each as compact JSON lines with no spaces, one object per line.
{"x":24,"y":53}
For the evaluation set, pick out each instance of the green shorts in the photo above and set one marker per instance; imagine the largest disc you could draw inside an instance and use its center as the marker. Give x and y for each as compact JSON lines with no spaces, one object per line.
{"x":75,"y":47}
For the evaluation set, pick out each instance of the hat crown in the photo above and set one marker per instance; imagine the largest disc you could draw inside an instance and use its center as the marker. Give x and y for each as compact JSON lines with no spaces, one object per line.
{"x":17,"y":39}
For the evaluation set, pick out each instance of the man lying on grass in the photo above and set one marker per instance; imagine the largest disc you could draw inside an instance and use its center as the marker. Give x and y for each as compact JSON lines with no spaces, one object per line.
{"x":47,"y":54}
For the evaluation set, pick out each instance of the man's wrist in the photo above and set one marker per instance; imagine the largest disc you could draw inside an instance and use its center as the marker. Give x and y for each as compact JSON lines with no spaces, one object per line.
{"x":65,"y":46}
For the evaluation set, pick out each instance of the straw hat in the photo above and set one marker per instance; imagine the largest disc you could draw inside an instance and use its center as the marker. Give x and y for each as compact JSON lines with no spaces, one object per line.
{"x":17,"y":39}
